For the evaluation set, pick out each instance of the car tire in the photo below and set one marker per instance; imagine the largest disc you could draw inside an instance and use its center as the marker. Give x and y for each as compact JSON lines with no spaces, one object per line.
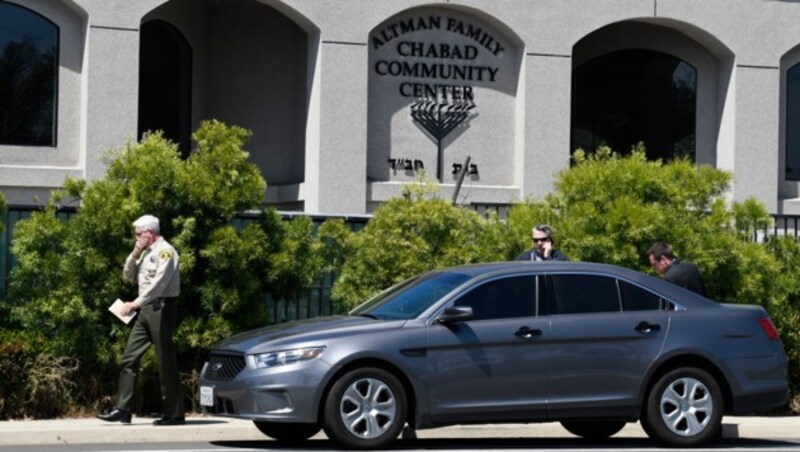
{"x":684,"y":408}
{"x":365,"y":409}
{"x":593,"y":430}
{"x":287,"y":432}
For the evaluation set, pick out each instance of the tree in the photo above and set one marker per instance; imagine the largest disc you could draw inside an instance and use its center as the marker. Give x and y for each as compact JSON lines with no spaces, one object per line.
{"x":69,"y":272}
{"x":409,"y":234}
{"x":611,"y":209}
{"x":3,"y":207}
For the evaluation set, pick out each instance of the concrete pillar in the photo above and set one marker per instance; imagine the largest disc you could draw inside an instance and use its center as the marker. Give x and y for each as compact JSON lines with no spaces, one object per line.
{"x":547,"y":121}
{"x":338,"y":163}
{"x":756,"y":135}
{"x":113,"y":87}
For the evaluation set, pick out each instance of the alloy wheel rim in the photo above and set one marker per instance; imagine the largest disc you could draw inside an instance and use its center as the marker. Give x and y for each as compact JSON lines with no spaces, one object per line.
{"x":686,"y":406}
{"x":368,"y":408}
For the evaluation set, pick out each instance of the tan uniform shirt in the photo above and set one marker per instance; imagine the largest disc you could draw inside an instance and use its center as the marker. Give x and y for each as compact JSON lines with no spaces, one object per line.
{"x":156,"y":272}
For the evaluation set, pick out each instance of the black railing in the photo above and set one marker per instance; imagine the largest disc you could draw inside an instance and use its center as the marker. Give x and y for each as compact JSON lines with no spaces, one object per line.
{"x":317,"y":302}
{"x":501,"y":209}
{"x":784,"y":225}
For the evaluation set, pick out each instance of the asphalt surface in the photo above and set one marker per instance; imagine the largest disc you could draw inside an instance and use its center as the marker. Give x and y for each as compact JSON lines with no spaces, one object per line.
{"x":203,"y":428}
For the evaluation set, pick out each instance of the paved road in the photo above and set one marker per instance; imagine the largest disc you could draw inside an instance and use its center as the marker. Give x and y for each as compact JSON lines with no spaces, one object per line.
{"x":423,"y":445}
{"x":213,"y":434}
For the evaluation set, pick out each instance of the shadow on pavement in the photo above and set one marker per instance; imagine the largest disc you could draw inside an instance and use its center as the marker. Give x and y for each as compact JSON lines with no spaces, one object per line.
{"x":191,"y":421}
{"x":512,"y":443}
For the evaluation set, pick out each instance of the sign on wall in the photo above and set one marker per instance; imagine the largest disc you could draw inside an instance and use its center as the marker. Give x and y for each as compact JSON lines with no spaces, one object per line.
{"x":442,"y":87}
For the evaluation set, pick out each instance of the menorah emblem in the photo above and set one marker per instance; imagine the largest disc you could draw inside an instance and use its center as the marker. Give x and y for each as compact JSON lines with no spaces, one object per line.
{"x":439,"y":119}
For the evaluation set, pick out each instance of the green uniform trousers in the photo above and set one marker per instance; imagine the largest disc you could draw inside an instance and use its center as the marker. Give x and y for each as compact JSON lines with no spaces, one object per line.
{"x":153,"y":325}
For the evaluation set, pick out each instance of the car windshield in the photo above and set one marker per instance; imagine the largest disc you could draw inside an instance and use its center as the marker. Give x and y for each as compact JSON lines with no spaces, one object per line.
{"x":408,"y":299}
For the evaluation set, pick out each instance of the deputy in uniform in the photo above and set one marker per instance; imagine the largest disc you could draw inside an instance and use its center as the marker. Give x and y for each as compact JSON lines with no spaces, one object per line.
{"x":153,"y":264}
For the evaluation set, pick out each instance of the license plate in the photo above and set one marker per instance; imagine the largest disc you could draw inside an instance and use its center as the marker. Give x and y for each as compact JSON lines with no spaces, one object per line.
{"x":206,"y":395}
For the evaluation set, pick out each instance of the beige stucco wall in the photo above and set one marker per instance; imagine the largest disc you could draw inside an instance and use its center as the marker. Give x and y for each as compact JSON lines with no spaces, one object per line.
{"x":741,"y":49}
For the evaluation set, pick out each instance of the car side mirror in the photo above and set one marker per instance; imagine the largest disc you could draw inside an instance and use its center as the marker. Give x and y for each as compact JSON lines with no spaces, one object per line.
{"x":456,"y":314}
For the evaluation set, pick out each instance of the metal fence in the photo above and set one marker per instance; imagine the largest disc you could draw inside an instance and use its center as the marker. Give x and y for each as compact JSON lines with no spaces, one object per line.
{"x":10,"y":220}
{"x":784,"y":225}
{"x":316,"y":302}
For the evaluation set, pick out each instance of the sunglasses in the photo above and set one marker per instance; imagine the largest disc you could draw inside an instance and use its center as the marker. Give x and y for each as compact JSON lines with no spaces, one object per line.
{"x":537,"y":240}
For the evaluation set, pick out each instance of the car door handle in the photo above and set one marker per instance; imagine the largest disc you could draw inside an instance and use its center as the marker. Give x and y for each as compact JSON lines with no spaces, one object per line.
{"x":645,"y":327}
{"x":527,"y":333}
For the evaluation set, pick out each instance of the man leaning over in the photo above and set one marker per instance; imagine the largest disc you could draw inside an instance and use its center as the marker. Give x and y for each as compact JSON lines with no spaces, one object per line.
{"x":684,"y":274}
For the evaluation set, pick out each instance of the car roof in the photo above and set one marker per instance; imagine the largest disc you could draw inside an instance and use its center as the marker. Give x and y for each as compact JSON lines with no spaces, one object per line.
{"x":669,"y":290}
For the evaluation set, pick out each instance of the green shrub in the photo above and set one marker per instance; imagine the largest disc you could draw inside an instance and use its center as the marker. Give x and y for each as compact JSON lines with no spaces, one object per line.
{"x":408,"y":235}
{"x":785,"y":313}
{"x":3,"y":207}
{"x":69,"y":272}
{"x":18,"y":349}
{"x":611,"y":209}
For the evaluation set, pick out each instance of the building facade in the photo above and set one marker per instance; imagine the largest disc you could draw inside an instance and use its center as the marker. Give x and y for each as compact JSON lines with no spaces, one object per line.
{"x":348,"y":99}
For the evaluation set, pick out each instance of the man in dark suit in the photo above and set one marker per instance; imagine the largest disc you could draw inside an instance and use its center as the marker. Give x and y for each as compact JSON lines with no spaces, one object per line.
{"x":684,"y":274}
{"x":542,"y":246}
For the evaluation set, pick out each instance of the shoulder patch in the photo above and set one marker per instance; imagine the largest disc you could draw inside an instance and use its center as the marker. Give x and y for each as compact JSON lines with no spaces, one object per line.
{"x":165,"y":255}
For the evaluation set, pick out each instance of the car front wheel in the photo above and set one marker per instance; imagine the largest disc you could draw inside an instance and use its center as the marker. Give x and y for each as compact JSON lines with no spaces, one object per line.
{"x":287,"y":432}
{"x":593,"y":430}
{"x":684,"y":408}
{"x":365,"y":409}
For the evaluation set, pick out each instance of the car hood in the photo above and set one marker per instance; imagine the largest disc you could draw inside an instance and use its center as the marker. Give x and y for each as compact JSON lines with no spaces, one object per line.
{"x":287,"y":334}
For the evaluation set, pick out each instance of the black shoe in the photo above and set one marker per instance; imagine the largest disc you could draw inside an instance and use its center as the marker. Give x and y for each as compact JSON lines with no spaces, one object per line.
{"x":116,"y":415}
{"x":170,"y":421}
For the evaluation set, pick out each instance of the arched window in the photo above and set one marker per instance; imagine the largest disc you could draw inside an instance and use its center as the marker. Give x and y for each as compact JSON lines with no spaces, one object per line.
{"x":628,"y":96}
{"x":793,"y":123}
{"x":28,"y":77}
{"x":165,"y":83}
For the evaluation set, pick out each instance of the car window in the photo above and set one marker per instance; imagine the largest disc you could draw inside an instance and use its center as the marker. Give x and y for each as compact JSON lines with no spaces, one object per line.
{"x":577,"y":294}
{"x":635,"y":298}
{"x":408,"y":299}
{"x":502,"y":298}
{"x":542,"y":296}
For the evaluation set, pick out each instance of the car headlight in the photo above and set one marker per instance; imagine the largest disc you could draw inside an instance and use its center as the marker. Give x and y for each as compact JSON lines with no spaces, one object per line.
{"x":282,"y":357}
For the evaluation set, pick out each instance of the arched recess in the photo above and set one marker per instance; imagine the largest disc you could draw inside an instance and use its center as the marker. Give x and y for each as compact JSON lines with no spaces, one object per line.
{"x":448,"y":67}
{"x":32,"y":168}
{"x":252,"y":66}
{"x":789,"y":142}
{"x":672,"y":54}
{"x":627,"y":96}
{"x":165,"y":82}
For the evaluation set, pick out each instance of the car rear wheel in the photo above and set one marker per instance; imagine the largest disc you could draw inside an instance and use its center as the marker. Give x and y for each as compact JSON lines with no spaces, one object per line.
{"x":684,"y":408}
{"x":593,"y":430}
{"x":287,"y":432}
{"x":365,"y":409}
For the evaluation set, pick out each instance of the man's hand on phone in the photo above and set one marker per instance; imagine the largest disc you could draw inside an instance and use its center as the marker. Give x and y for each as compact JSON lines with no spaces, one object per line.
{"x":548,"y":248}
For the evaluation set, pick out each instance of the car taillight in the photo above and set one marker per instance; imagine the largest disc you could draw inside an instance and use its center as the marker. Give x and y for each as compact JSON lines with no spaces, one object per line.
{"x":769,"y":328}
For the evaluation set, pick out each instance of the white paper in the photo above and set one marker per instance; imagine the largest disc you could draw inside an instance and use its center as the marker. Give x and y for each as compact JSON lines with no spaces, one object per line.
{"x":116,"y":309}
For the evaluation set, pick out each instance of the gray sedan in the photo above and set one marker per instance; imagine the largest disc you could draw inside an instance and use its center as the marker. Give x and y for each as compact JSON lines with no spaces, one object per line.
{"x":592,"y":346}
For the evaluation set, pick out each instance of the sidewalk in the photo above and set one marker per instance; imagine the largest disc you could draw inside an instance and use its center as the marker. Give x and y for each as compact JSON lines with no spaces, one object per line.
{"x":202,"y":429}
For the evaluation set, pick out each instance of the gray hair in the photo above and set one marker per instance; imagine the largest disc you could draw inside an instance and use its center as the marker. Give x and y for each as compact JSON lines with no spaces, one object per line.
{"x":545,"y":228}
{"x":147,"y":223}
